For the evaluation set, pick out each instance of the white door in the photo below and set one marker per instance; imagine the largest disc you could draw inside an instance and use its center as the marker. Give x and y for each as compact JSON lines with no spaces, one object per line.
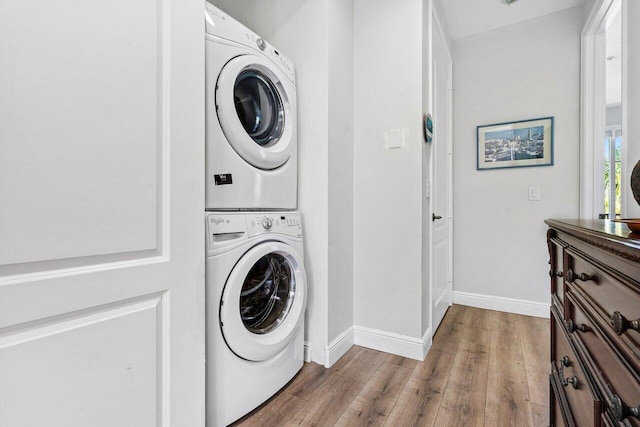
{"x":101,"y":203}
{"x":441,"y":250}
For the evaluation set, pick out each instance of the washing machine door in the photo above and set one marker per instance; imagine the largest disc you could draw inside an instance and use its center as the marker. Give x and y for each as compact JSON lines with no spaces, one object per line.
{"x":256,"y":107}
{"x":263,"y":301}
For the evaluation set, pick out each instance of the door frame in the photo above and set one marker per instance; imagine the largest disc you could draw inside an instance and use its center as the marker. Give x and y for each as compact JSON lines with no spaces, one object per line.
{"x":593,"y":102}
{"x":437,"y":26}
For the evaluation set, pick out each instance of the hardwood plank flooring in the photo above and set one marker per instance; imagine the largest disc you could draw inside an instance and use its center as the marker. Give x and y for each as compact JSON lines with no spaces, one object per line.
{"x":485,"y":368}
{"x":419,"y":401}
{"x":507,"y":394}
{"x":374,"y":403}
{"x":463,"y":403}
{"x":535,"y":336}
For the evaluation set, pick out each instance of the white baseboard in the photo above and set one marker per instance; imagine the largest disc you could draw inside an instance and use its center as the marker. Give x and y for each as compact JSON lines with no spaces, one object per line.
{"x":307,"y":351}
{"x":389,"y":342}
{"x":338,"y":347}
{"x":416,"y":348}
{"x":508,"y":305}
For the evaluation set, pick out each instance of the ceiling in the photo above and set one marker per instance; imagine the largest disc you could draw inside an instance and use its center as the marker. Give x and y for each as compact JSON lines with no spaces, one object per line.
{"x":468,"y":17}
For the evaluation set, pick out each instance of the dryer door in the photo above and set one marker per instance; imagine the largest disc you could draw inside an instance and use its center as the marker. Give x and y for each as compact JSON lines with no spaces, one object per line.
{"x":263,"y":301}
{"x":256,"y":107}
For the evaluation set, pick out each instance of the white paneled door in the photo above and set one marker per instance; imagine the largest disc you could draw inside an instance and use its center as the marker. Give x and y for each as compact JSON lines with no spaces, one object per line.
{"x":101,"y":213}
{"x":441,"y":250}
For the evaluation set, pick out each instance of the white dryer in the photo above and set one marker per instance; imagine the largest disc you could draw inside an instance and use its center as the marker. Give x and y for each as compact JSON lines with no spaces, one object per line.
{"x":256,"y":294}
{"x":251,"y":119}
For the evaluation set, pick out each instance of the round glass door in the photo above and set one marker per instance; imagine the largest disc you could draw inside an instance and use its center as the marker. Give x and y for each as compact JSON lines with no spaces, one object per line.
{"x":255,"y":103}
{"x":259,"y":107}
{"x":263,"y":301}
{"x":267,"y":294}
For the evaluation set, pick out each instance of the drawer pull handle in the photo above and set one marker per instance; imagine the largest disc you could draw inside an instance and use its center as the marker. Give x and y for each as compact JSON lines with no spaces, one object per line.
{"x":621,"y":410}
{"x":573,"y":381}
{"x":621,"y":323}
{"x":572,"y":327}
{"x":555,"y":273}
{"x":572,"y":276}
{"x":565,"y":361}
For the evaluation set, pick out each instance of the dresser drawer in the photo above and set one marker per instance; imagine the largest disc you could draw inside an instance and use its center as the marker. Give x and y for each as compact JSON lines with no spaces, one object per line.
{"x":584,"y":404}
{"x":615,"y":300}
{"x":559,"y":414}
{"x":609,"y":370}
{"x":607,"y":422}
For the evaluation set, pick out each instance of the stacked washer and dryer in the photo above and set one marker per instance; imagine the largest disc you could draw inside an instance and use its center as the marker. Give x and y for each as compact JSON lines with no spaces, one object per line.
{"x":255,"y":278}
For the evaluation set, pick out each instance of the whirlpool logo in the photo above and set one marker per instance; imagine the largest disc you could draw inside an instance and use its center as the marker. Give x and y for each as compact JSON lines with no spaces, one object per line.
{"x":218,"y":221}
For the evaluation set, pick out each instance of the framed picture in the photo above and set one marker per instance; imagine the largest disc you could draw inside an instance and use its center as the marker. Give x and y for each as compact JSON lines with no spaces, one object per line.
{"x":515,"y":144}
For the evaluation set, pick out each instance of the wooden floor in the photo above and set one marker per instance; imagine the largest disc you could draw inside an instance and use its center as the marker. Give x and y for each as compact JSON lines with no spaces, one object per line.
{"x":485,"y":368}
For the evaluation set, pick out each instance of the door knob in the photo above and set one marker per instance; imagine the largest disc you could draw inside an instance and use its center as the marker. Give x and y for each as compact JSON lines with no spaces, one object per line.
{"x":434,"y":217}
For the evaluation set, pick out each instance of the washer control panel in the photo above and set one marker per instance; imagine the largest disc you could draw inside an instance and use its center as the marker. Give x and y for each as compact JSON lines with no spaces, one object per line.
{"x":287,"y":223}
{"x":267,"y":223}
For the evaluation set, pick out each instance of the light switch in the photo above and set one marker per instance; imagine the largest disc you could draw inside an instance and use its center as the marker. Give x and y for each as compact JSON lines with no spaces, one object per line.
{"x":534,"y":193}
{"x":395,"y":138}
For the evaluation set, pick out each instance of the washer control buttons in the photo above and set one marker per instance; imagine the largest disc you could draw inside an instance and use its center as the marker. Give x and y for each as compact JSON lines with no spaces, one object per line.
{"x":261,"y":44}
{"x":267,"y":223}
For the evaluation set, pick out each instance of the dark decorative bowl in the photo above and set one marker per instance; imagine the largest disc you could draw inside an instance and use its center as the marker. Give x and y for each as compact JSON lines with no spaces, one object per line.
{"x":633,"y":224}
{"x":635,"y":182}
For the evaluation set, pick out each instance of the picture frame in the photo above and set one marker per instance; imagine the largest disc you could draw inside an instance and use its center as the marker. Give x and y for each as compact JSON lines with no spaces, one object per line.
{"x":517,"y":144}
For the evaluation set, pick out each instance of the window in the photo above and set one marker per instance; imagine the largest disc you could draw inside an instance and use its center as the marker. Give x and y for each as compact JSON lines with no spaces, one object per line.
{"x":612,"y":178}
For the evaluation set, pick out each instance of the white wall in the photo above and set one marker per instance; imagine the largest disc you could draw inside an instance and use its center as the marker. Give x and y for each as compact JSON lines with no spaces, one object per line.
{"x":523,"y":71}
{"x":614,"y":115}
{"x":439,"y":11}
{"x":387,"y":196}
{"x":340,"y":168}
{"x":588,"y":5}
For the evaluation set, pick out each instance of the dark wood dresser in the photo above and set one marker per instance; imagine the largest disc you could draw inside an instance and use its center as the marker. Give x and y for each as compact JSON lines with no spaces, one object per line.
{"x":595,"y":312}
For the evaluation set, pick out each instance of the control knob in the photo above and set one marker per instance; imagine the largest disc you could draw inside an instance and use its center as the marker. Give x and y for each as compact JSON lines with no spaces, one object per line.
{"x":267,"y":223}
{"x":261,"y":44}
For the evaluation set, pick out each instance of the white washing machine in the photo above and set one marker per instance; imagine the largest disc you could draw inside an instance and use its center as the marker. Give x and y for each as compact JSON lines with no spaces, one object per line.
{"x":256,"y":292}
{"x":251,"y":119}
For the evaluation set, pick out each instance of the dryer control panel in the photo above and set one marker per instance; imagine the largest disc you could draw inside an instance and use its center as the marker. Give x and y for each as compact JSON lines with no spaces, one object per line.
{"x":287,"y":223}
{"x":221,"y":25}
